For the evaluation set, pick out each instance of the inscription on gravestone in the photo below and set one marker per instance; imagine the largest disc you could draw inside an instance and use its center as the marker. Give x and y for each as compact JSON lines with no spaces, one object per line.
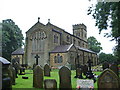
{"x":108,"y":79}
{"x":38,"y":77}
{"x":65,"y":78}
{"x":83,"y":84}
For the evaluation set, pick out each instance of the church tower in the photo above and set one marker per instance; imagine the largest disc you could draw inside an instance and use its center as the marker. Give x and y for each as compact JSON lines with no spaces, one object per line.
{"x":79,"y":30}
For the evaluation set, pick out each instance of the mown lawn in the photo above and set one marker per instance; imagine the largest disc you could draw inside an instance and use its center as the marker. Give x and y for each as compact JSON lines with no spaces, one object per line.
{"x":28,"y":83}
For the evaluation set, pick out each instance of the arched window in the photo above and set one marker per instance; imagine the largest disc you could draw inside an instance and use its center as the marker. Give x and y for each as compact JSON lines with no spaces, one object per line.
{"x":58,"y":59}
{"x":55,"y":39}
{"x":55,"y":59}
{"x":61,"y":59}
{"x":68,"y":39}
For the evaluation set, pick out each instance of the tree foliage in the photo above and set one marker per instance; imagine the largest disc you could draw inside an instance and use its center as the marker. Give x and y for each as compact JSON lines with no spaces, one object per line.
{"x":11,"y":38}
{"x":107,"y":57}
{"x":107,"y":15}
{"x":94,"y":45}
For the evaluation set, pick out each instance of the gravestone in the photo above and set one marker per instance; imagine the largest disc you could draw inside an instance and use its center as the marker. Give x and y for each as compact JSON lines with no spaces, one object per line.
{"x":50,"y":84}
{"x":22,"y":71}
{"x":38,"y":77}
{"x":6,"y":80}
{"x":114,"y":68}
{"x":105,"y":65}
{"x":85,"y":69}
{"x":46,"y":70}
{"x":79,"y":73}
{"x":85,"y":84}
{"x":16,"y":65}
{"x":108,"y":79}
{"x":65,"y":78}
{"x":12,"y":74}
{"x":89,"y":74}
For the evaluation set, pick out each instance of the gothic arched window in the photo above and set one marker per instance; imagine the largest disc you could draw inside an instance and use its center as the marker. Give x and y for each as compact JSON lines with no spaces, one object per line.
{"x":55,"y":39}
{"x":58,"y":59}
{"x":55,"y":59}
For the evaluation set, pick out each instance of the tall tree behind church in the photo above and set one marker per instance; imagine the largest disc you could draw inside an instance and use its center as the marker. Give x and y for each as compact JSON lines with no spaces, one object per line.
{"x":11,"y":38}
{"x":107,"y":15}
{"x":94,"y":45}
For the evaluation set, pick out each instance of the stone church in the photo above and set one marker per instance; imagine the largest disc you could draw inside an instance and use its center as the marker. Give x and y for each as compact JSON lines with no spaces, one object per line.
{"x":56,"y":47}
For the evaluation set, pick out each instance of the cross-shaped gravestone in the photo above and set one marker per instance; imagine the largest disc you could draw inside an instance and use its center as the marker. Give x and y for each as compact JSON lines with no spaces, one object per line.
{"x":89,"y":74}
{"x":37,"y":59}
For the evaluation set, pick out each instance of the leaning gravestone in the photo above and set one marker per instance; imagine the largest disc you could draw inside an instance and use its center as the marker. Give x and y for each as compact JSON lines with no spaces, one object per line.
{"x":105,"y":65}
{"x":50,"y":84}
{"x":65,"y":78}
{"x":46,"y":70}
{"x":38,"y":77}
{"x":108,"y":79}
{"x":85,"y":69}
{"x":114,"y":68}
{"x":12,"y":74}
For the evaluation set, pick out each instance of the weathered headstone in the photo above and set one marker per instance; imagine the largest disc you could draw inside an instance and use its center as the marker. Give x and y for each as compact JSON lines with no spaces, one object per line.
{"x":46,"y":70}
{"x":115,"y":69}
{"x":38,"y":77}
{"x":12,"y":74}
{"x":50,"y":84}
{"x":6,"y":80}
{"x":105,"y":65}
{"x":108,"y":79}
{"x":89,"y":74}
{"x":85,"y":69}
{"x":22,"y":71}
{"x":79,"y":73}
{"x":65,"y":78}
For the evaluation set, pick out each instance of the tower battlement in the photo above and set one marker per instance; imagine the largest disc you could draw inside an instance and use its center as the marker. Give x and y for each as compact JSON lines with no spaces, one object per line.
{"x":79,"y":26}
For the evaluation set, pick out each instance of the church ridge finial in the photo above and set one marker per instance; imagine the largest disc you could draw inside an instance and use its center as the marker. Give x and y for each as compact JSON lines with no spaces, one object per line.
{"x":48,"y":20}
{"x":38,"y":19}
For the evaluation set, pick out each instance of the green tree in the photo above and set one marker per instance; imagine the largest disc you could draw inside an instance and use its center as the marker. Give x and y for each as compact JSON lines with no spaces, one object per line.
{"x":94,"y":45}
{"x":11,"y":38}
{"x":107,"y":57}
{"x":107,"y":15}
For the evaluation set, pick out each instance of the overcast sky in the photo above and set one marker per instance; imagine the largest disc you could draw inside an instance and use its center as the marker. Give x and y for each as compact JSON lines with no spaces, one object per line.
{"x":62,"y":13}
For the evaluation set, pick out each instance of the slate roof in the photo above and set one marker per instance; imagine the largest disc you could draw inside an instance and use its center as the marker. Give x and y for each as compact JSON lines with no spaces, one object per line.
{"x":19,"y":51}
{"x":84,"y":49}
{"x":61,"y":48}
{"x":4,"y":61}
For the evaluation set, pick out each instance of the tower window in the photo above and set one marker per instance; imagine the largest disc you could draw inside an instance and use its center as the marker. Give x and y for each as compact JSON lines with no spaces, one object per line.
{"x":78,"y":43}
{"x":68,"y":39}
{"x":73,"y":41}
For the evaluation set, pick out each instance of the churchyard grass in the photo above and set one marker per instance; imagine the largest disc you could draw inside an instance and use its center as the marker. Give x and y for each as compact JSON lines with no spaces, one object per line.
{"x":28,"y":83}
